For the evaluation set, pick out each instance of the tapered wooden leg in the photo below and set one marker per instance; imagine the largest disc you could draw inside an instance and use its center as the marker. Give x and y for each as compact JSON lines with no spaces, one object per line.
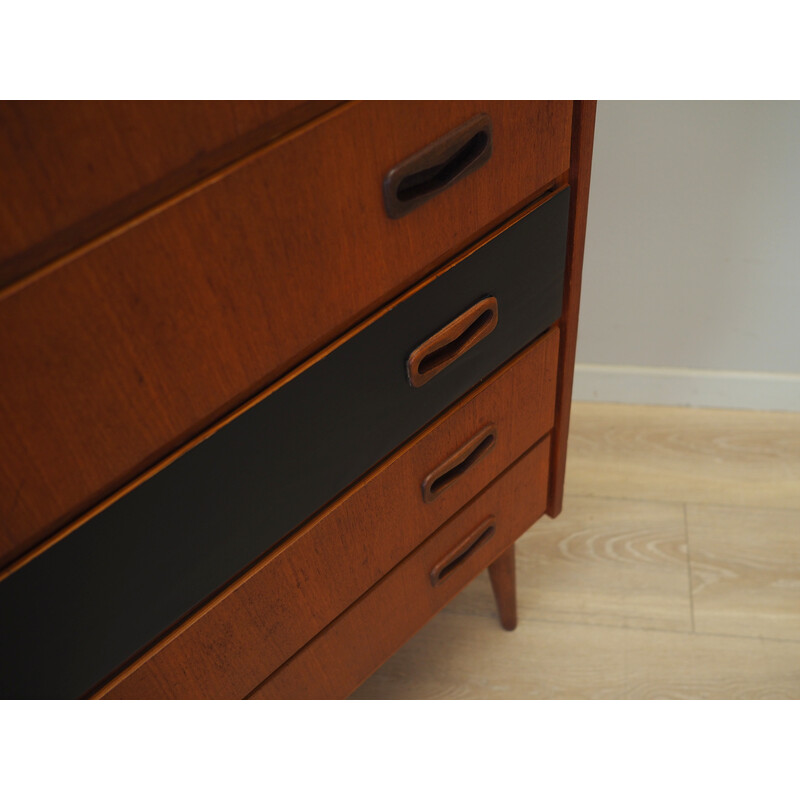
{"x":503,"y":576}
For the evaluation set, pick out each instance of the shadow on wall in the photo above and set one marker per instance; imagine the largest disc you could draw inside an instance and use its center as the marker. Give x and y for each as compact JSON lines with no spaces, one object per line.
{"x":692,"y":244}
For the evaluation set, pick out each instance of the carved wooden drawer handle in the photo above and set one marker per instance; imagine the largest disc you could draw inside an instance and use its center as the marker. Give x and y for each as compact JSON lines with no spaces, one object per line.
{"x":439,"y":165}
{"x":452,"y":341}
{"x":476,"y":539}
{"x":450,"y":470}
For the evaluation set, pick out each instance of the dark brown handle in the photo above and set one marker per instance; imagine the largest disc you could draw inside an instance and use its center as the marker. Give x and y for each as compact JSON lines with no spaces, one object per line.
{"x":449,"y":471}
{"x":430,"y":171}
{"x":452,"y":341}
{"x":477,"y":538}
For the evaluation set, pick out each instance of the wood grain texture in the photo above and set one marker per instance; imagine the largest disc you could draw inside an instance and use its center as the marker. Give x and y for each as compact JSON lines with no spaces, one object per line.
{"x":235,"y":641}
{"x":118,"y":355}
{"x":495,"y":266}
{"x":73,"y":169}
{"x":503,"y":576}
{"x":334,"y":663}
{"x":579,"y":178}
{"x":608,"y":592}
{"x":423,"y":175}
{"x":745,"y":570}
{"x":193,"y":526}
{"x":739,"y":458}
{"x":604,"y":562}
{"x":471,"y":658}
{"x":452,"y":341}
{"x":456,"y":464}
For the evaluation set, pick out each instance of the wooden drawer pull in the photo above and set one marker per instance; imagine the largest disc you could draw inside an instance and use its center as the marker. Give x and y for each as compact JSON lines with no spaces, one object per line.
{"x":452,"y":341}
{"x":476,"y":539}
{"x":447,"y":473}
{"x":439,"y":165}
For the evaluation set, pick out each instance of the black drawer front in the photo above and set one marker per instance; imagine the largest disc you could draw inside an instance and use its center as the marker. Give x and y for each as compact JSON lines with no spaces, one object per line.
{"x":93,"y":600}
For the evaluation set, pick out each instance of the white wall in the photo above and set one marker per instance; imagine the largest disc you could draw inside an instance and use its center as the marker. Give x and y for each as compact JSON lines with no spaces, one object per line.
{"x":692,"y":267}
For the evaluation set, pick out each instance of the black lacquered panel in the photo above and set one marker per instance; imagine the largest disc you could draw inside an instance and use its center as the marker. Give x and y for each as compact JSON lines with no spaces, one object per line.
{"x":90,"y":602}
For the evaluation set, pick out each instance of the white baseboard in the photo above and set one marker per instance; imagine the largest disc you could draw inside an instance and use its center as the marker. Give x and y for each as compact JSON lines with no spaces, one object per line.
{"x":664,"y":386}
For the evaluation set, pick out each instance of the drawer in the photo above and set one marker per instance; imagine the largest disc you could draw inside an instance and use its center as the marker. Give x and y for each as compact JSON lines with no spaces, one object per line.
{"x":73,"y":169}
{"x":252,"y":627}
{"x":147,"y":559}
{"x":126,"y":349}
{"x":342,"y":656}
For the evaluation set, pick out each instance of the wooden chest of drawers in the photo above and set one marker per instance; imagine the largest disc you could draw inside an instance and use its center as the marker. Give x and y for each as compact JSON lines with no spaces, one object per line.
{"x":274,"y":389}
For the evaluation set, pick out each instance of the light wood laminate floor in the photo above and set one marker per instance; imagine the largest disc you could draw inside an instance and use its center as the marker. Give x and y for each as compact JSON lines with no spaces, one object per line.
{"x":672,"y":572}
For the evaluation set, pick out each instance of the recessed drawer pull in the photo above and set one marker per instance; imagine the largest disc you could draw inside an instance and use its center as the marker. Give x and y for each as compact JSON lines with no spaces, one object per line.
{"x":447,"y":473}
{"x":452,"y":341}
{"x":439,"y":165}
{"x":477,"y":538}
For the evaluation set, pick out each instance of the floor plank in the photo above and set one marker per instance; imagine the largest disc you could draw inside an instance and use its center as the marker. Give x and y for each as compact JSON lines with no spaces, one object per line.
{"x":603,"y":561}
{"x":673,"y":572}
{"x":745,"y":570}
{"x":465,"y":657}
{"x":695,"y":455}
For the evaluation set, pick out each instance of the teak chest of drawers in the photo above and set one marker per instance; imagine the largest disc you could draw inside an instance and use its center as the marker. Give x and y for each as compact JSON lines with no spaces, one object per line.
{"x":278,"y":380}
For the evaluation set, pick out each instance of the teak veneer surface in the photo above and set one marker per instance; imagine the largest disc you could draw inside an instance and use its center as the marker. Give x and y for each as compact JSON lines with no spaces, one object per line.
{"x":503,"y":575}
{"x":672,"y":572}
{"x":233,"y":643}
{"x":344,"y":654}
{"x":73,"y":169}
{"x":462,"y":657}
{"x":579,"y":179}
{"x":118,"y":354}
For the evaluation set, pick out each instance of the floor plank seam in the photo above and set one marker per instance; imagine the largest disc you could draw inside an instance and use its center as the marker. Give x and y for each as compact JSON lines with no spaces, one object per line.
{"x":556,"y":621}
{"x":689,"y":566}
{"x":602,"y":585}
{"x":657,"y":501}
{"x":584,"y":496}
{"x":457,"y":613}
{"x":573,"y":623}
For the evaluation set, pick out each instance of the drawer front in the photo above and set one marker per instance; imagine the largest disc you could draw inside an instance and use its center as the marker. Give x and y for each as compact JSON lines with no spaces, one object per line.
{"x":130,"y":347}
{"x":341,"y":657}
{"x":73,"y":169}
{"x":148,"y":559}
{"x":230,"y":646}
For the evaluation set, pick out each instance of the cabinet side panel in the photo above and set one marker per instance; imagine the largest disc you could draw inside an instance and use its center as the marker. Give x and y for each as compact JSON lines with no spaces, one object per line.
{"x":579,"y":176}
